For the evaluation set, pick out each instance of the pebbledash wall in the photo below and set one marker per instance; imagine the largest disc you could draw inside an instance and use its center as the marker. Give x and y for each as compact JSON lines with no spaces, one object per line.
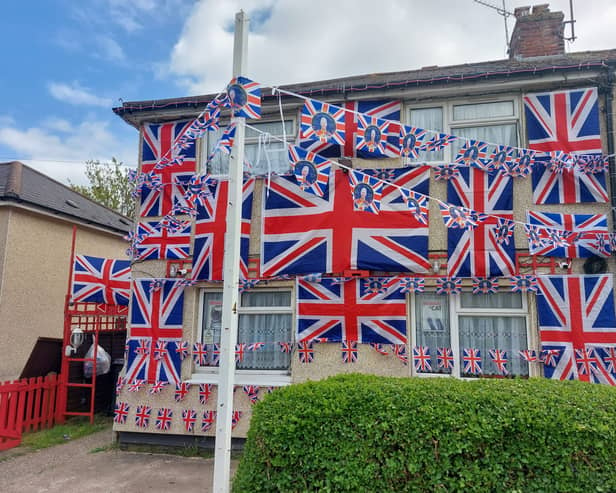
{"x":445,"y":87}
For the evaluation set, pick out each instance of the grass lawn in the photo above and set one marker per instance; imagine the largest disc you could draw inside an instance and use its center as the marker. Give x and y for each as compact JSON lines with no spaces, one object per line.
{"x":73,"y":428}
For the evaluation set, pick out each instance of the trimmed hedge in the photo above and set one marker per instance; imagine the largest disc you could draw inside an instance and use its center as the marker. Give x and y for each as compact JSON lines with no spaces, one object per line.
{"x":366,"y":433}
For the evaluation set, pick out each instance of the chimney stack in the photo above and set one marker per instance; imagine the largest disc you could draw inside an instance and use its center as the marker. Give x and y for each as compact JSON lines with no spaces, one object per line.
{"x":537,"y":33}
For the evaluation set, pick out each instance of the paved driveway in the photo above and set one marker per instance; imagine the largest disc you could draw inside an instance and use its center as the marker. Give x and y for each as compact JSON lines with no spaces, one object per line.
{"x":71,"y":467}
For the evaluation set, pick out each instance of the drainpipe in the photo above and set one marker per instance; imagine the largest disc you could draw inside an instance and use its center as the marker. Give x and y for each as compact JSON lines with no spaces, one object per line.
{"x":609,"y":121}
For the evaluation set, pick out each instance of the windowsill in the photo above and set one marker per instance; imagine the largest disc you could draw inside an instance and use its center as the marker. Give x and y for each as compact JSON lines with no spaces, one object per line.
{"x":245,"y":377}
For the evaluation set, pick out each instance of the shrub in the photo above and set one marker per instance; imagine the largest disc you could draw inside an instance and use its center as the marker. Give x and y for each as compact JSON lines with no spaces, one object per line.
{"x":366,"y":433}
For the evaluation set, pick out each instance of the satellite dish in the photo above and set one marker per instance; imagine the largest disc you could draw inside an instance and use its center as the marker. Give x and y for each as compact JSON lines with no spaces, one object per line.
{"x":595,"y":265}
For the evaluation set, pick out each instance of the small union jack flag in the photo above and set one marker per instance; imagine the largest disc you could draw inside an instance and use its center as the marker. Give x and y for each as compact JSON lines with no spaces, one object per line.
{"x":246,"y":284}
{"x":252,"y":391}
{"x":215,"y":354}
{"x":240,"y":349}
{"x":181,"y":390}
{"x":121,"y":412}
{"x":374,"y":285}
{"x":205,"y":391}
{"x":255,"y":346}
{"x":371,"y":134}
{"x":366,"y":192}
{"x":163,"y":420}
{"x":157,"y":387}
{"x":199,"y":354}
{"x":482,"y":285}
{"x":316,"y":277}
{"x":499,"y":357}
{"x":305,"y":352}
{"x":559,"y":161}
{"x":503,"y":231}
{"x":379,"y":348}
{"x":400,"y":353}
{"x":523,"y":164}
{"x":160,"y":351}
{"x":411,"y":139}
{"x":182,"y":349}
{"x":197,"y":190}
{"x":417,"y":204}
{"x":311,"y":171}
{"x":529,"y":355}
{"x":135,"y":385}
{"x":472,"y":361}
{"x":549,"y":357}
{"x":285,"y":347}
{"x":119,"y":384}
{"x":438,"y":142}
{"x":322,"y":122}
{"x":523,"y":284}
{"x":189,"y":417}
{"x":209,"y":418}
{"x":244,"y":98}
{"x":445,"y":172}
{"x":447,"y":286}
{"x":501,"y":158}
{"x":412,"y":285}
{"x":455,"y":216}
{"x":586,"y":361}
{"x":421,"y":358}
{"x":609,"y":359}
{"x":142,"y":416}
{"x":235,"y":418}
{"x":444,"y":358}
{"x":225,"y":143}
{"x":349,"y":351}
{"x":473,"y":153}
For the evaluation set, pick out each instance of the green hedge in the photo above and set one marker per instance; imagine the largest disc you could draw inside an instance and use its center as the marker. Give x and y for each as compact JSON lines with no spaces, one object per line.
{"x":365,"y":433}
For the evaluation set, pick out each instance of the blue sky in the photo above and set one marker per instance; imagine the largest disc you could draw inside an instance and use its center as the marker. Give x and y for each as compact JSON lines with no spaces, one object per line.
{"x":67,"y":62}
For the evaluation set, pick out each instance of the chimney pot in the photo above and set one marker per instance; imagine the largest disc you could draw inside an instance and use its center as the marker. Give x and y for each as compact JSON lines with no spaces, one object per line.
{"x":521,"y":12}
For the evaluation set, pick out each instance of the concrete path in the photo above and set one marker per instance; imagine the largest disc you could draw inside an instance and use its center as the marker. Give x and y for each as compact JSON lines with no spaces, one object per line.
{"x":72,"y":467}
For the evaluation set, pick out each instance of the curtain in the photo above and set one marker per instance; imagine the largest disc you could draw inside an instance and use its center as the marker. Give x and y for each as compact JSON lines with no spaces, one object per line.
{"x":429,"y":119}
{"x":506,"y":134}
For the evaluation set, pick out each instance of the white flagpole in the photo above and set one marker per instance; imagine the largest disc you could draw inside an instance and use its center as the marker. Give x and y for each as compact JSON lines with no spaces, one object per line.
{"x":231,"y":273}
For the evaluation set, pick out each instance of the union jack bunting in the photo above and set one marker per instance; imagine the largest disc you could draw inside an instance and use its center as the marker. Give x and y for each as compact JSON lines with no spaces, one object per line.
{"x":285,"y":347}
{"x":119,"y":384}
{"x":305,"y":352}
{"x":142,"y":416}
{"x":446,"y":172}
{"x":504,"y":231}
{"x":499,"y":358}
{"x":182,"y":350}
{"x":366,"y":192}
{"x":189,"y":418}
{"x":322,"y":122}
{"x":225,"y":142}
{"x":472,"y":361}
{"x":136,"y":385}
{"x":240,"y":349}
{"x":209,"y":418}
{"x":483,"y":285}
{"x":568,"y":235}
{"x":522,"y":164}
{"x":523,"y":284}
{"x":159,"y":243}
{"x":255,"y":346}
{"x":374,"y":285}
{"x":252,"y":391}
{"x":181,"y":390}
{"x":157,"y":387}
{"x":235,"y":418}
{"x":529,"y":355}
{"x":163,"y":419}
{"x":244,"y":98}
{"x":311,"y":171}
{"x":575,"y":313}
{"x":437,"y":142}
{"x":412,"y":285}
{"x":384,"y":110}
{"x":350,"y":312}
{"x":100,"y":280}
{"x":379,"y":348}
{"x":210,"y":230}
{"x":411,"y":139}
{"x":371,"y":135}
{"x":501,"y":159}
{"x":304,"y":234}
{"x":400,"y":353}
{"x":417,"y":204}
{"x":197,"y":190}
{"x":160,"y":350}
{"x":205,"y":391}
{"x":215,"y":354}
{"x":199,"y":354}
{"x":473,"y":153}
{"x":444,"y":358}
{"x":155,"y":315}
{"x":586,"y":361}
{"x":608,"y":355}
{"x":169,"y":196}
{"x":447,"y":286}
{"x":421,"y":358}
{"x":349,"y":351}
{"x":121,"y":413}
{"x":560,"y":161}
{"x":247,"y":284}
{"x":458,"y":217}
{"x":549,"y":357}
{"x":480,"y":251}
{"x":565,"y":121}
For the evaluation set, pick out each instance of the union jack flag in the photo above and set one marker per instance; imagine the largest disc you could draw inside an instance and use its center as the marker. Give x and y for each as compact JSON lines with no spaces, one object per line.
{"x":400,"y":353}
{"x":350,"y":312}
{"x":244,"y":98}
{"x":136,"y":385}
{"x":366,"y":192}
{"x":209,"y":418}
{"x":521,"y":165}
{"x":160,"y":350}
{"x":586,"y":361}
{"x":499,"y":358}
{"x":477,"y":251}
{"x":119,"y":384}
{"x":181,"y":390}
{"x":155,"y":315}
{"x":210,"y":230}
{"x":182,"y":349}
{"x":458,"y":217}
{"x":417,"y":204}
{"x":372,"y":135}
{"x":504,"y":231}
{"x":305,"y":352}
{"x":199,"y":354}
{"x":205,"y":391}
{"x":482,"y":285}
{"x":523,"y":284}
{"x":163,"y":419}
{"x":142,"y":416}
{"x":349,"y":351}
{"x":548,"y":356}
{"x":160,"y":243}
{"x":374,"y":285}
{"x":529,"y":355}
{"x":225,"y":142}
{"x":446,"y":172}
{"x":240,"y":349}
{"x":157,"y":387}
{"x":285,"y":347}
{"x":252,"y":391}
{"x":121,"y":413}
{"x":472,"y":361}
{"x":322,"y":122}
{"x":501,"y":158}
{"x":578,"y":233}
{"x":255,"y":346}
{"x":379,"y":348}
{"x":311,"y":171}
{"x":608,"y":355}
{"x":235,"y":418}
{"x":304,"y":234}
{"x":448,"y":286}
{"x":101,"y":280}
{"x":421,"y":358}
{"x":473,"y":153}
{"x":411,"y":139}
{"x":575,"y":313}
{"x":169,"y":196}
{"x":444,"y":358}
{"x":215,"y":354}
{"x":437,"y":142}
{"x":565,"y":121}
{"x":412,"y":285}
{"x":189,"y":417}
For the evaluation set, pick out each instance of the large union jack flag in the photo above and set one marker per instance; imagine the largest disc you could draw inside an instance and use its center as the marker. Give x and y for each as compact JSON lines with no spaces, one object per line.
{"x":576,"y":314}
{"x":351,"y":311}
{"x":158,"y":139}
{"x":565,"y":121}
{"x":480,"y":251}
{"x":303,"y":233}
{"x":160,"y":243}
{"x":101,"y":280}
{"x":587,"y":232}
{"x":156,"y":322}
{"x":210,"y":229}
{"x":384,"y":110}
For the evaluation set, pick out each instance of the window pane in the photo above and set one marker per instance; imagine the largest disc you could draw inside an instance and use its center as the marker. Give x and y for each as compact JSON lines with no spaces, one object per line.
{"x":211,"y":323}
{"x":428,"y":119}
{"x":494,"y":134}
{"x":274,"y":128}
{"x":485,"y":333}
{"x":270,"y":329}
{"x":482,"y":111}
{"x":432,"y":321}
{"x":275,"y":151}
{"x":266,"y":298}
{"x":496,"y":300}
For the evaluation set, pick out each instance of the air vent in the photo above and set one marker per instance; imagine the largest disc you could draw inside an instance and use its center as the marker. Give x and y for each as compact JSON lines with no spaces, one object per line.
{"x":72,"y":204}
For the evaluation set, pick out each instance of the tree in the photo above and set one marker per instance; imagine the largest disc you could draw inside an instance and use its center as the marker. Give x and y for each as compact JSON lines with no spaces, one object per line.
{"x":109,"y":185}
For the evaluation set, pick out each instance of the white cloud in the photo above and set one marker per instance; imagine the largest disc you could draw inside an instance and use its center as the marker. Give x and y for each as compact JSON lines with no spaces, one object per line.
{"x":297,"y":42}
{"x":77,"y":95}
{"x":110,"y":49}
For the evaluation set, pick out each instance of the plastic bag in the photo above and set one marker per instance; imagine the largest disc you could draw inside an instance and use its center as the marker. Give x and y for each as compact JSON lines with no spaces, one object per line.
{"x":103,"y":362}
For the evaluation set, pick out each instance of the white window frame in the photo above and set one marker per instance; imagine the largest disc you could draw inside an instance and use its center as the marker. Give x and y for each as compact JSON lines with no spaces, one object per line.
{"x":456,"y":310}
{"x":211,"y":374}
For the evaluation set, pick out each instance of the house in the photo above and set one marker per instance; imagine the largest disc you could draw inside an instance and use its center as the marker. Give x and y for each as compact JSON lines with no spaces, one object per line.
{"x":37,"y":217}
{"x":331,"y":288}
